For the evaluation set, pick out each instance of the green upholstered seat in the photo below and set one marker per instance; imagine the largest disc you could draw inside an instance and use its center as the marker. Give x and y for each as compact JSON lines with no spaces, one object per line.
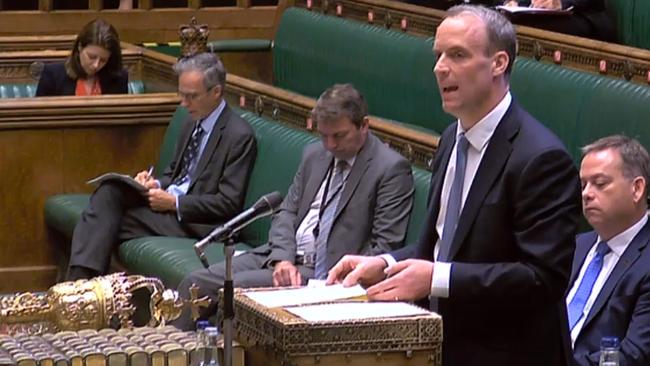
{"x":581,"y":107}
{"x":392,"y":69}
{"x":28,"y":90}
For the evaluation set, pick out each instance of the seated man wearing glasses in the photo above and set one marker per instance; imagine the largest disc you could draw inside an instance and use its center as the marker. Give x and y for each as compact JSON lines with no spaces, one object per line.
{"x":204,"y":185}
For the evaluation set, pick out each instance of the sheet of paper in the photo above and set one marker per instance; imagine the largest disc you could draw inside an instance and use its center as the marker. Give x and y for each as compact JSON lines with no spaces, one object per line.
{"x":305,"y":295}
{"x":355,"y":311}
{"x":529,"y":10}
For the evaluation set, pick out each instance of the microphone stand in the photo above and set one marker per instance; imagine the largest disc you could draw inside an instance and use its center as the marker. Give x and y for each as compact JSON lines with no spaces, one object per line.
{"x":228,"y":300}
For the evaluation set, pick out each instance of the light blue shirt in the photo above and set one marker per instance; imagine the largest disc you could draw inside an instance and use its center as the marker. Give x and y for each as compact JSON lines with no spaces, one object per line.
{"x":207,"y":124}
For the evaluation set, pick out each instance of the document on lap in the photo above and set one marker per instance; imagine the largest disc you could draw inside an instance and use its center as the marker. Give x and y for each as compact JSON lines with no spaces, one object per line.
{"x":305,"y":295}
{"x":117,"y":177}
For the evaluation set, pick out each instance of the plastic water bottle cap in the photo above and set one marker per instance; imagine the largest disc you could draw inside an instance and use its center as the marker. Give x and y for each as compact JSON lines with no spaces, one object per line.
{"x":609,"y":342}
{"x":202,"y":324}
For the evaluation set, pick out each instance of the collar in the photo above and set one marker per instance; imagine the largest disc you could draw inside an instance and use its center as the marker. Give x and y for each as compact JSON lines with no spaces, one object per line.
{"x":620,"y":242}
{"x":350,"y":161}
{"x":479,"y":135}
{"x":207,"y":124}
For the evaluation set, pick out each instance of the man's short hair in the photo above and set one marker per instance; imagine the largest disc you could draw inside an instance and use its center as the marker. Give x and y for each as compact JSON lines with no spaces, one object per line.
{"x":635,"y":158}
{"x":339,"y":101}
{"x":501,"y":33}
{"x":214,"y":73}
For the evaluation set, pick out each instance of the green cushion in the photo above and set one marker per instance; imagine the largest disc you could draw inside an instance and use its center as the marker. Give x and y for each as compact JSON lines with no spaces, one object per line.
{"x":64,"y":210}
{"x":392,"y":69}
{"x":167,"y":258}
{"x":28,"y":90}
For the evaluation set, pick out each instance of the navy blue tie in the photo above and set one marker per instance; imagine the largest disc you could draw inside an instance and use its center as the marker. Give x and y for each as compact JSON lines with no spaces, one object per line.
{"x":190,"y":154}
{"x":455,"y":199}
{"x":326,"y":220}
{"x":577,"y":305}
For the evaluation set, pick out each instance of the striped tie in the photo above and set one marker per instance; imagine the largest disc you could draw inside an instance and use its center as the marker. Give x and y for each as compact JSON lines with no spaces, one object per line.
{"x":326,"y":220}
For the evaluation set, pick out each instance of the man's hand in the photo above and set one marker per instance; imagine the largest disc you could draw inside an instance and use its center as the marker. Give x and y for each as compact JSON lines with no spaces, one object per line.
{"x":357,"y":269}
{"x":286,"y":274}
{"x":160,"y":200}
{"x":511,"y":3}
{"x":146,"y":179}
{"x":408,"y":280}
{"x":547,"y":4}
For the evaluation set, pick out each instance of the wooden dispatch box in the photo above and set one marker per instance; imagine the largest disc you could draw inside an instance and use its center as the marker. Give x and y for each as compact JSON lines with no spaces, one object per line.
{"x":275,"y":336}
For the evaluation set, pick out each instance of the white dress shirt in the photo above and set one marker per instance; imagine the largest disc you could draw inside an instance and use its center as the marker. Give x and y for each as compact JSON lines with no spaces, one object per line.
{"x":617,"y":244}
{"x":305,"y":239}
{"x":478,"y":137}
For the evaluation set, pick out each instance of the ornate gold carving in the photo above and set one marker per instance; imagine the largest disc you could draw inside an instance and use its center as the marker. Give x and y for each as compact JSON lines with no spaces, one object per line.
{"x":194,"y":38}
{"x":87,"y":304}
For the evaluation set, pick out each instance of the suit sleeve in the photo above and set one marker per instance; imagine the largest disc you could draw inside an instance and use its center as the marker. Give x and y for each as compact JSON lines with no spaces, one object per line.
{"x":545,"y":205}
{"x":46,"y":84}
{"x":233,"y":182}
{"x":392,"y":209}
{"x":635,"y":346}
{"x":282,"y":236}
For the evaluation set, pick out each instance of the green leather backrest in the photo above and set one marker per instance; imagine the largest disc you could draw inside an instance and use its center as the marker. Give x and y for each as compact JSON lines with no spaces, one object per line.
{"x":421,"y":179}
{"x":392,"y":69}
{"x":28,"y":90}
{"x":169,"y":140}
{"x":279,"y":150}
{"x":581,"y":107}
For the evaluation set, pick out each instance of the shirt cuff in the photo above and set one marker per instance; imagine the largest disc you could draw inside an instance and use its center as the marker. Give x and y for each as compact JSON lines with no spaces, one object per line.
{"x":178,"y":211}
{"x":389,"y":259}
{"x":440,"y":279}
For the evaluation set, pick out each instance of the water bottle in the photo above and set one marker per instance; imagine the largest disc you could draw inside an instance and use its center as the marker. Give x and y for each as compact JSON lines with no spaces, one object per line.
{"x":212,"y":350}
{"x":609,"y":351}
{"x":198,"y":355}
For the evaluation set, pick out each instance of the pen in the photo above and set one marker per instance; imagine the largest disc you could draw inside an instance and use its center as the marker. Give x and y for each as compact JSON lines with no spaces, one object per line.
{"x":150,"y":171}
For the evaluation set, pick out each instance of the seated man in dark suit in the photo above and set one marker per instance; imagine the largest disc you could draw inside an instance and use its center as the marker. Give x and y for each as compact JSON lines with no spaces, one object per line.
{"x":204,"y":185}
{"x":351,"y":194}
{"x":609,"y":292}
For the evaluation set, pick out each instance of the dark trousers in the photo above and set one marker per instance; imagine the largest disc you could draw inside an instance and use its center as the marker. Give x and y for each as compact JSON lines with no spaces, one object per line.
{"x":249,"y":270}
{"x":114,"y":214}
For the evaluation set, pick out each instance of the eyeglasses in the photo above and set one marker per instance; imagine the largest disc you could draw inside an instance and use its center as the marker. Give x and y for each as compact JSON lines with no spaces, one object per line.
{"x":190,"y":97}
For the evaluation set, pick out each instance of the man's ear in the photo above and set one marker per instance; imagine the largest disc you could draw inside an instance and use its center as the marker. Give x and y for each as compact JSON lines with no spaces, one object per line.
{"x":639,"y":189}
{"x":500,"y":63}
{"x":365,"y":123}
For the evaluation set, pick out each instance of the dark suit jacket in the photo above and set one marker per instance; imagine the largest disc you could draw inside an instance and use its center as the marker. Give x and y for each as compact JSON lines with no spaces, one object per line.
{"x":511,"y":254}
{"x":55,"y":82}
{"x":372,"y":214}
{"x":622,"y":308}
{"x":219,"y":182}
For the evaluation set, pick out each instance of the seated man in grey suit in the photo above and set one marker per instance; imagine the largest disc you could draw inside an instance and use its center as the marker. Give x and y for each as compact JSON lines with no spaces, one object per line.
{"x":351,"y":194}
{"x":204,"y":185}
{"x":609,"y":292}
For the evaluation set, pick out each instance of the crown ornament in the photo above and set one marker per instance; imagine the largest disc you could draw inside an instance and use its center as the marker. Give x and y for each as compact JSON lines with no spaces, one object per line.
{"x":194,"y":38}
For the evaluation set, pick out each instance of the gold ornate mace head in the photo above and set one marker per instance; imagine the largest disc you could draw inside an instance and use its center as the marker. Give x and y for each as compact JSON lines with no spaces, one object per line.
{"x":87,"y":304}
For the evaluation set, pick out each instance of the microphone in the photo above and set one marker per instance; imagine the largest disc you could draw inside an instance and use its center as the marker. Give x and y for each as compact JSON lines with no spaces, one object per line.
{"x":264,"y":206}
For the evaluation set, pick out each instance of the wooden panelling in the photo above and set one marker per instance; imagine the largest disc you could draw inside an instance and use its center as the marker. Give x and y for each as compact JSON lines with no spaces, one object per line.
{"x":54,"y":145}
{"x":135,"y":26}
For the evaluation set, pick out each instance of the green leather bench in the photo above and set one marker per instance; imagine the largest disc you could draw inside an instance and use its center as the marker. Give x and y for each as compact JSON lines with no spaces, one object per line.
{"x":28,"y":90}
{"x":279,"y":151}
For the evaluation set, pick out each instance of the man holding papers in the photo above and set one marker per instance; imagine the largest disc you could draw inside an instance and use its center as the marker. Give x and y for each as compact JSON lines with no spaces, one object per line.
{"x":204,"y":185}
{"x":351,"y":194}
